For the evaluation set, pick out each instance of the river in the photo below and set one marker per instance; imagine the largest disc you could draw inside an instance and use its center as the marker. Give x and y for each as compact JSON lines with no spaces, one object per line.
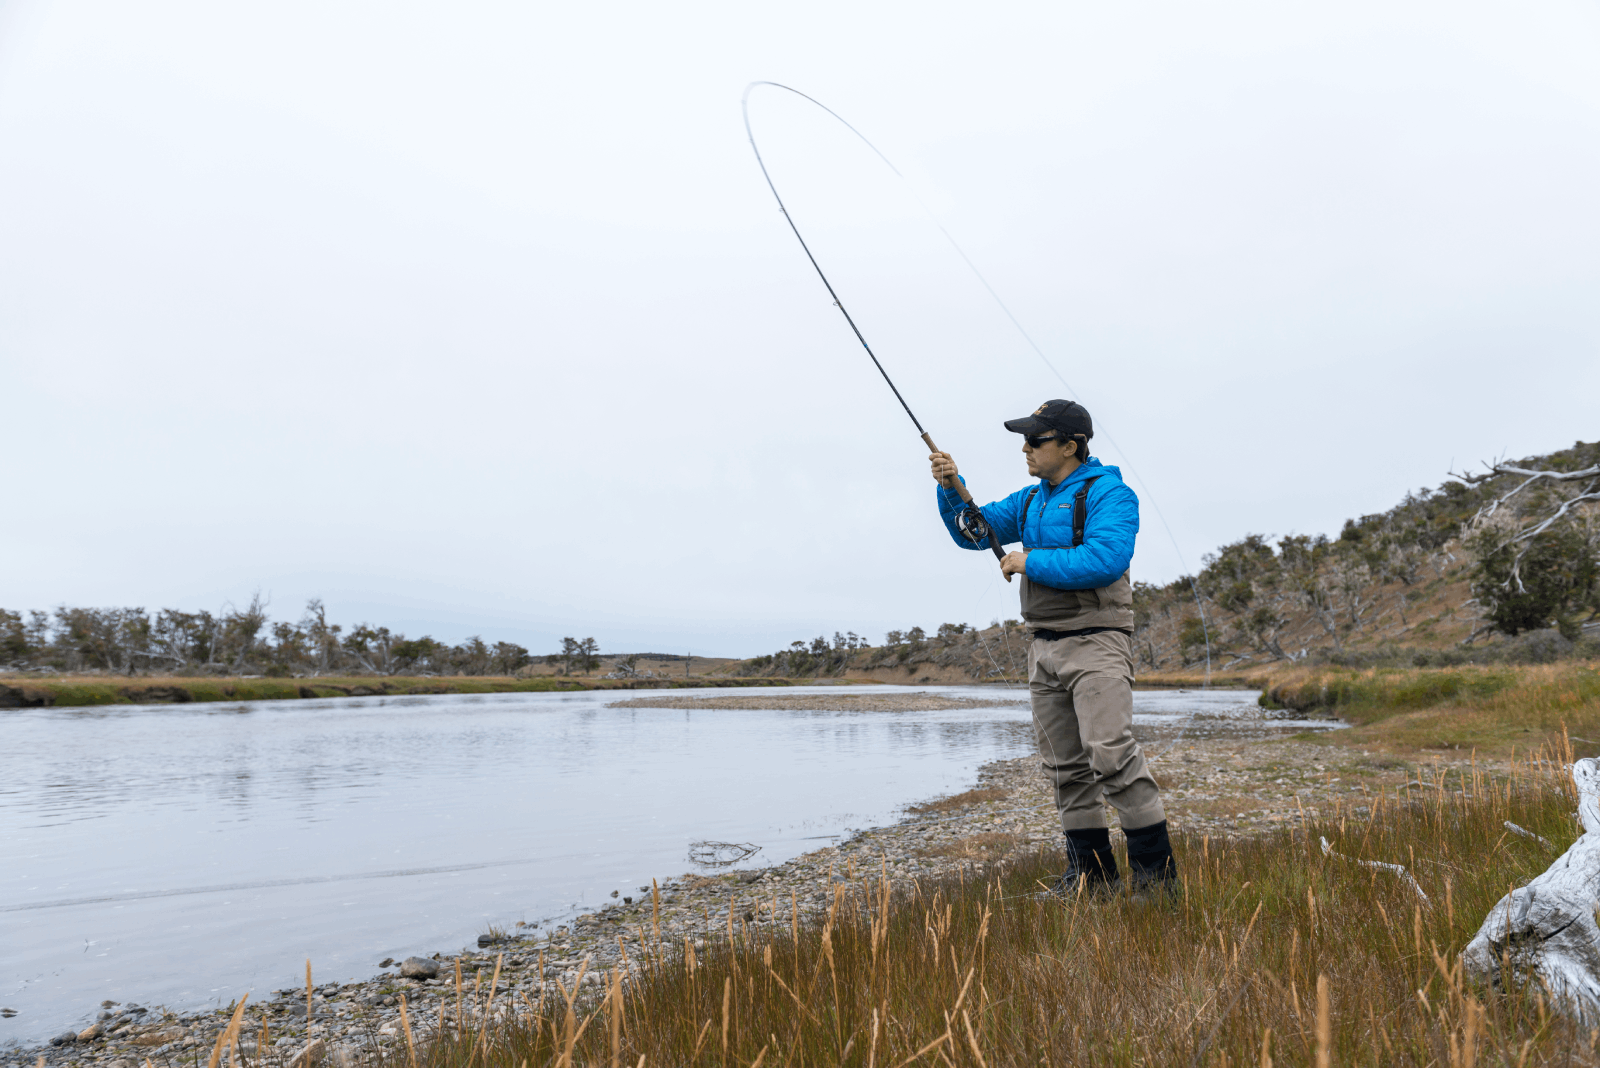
{"x":182,"y":854}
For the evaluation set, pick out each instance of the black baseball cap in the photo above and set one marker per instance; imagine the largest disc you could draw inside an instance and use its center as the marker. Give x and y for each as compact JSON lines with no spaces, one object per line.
{"x":1064,"y":416}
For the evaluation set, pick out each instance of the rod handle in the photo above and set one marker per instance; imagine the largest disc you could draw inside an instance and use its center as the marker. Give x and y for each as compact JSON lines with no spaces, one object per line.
{"x":999,"y":553}
{"x":961,"y":487}
{"x":966,"y":498}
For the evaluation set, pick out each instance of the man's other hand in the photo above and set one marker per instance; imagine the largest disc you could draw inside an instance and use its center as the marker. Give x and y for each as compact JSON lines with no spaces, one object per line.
{"x":1014,"y":563}
{"x":944,"y":470}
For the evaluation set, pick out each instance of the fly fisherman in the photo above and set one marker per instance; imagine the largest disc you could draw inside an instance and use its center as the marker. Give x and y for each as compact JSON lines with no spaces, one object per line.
{"x":1077,"y":527}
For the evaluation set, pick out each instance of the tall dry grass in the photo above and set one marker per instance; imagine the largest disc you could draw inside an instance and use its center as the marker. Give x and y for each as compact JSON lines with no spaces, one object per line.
{"x":1271,"y":952}
{"x":1489,"y":708}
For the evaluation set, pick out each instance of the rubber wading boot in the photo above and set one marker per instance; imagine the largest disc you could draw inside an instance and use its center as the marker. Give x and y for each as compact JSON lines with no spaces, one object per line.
{"x":1091,"y":867}
{"x":1151,"y":870}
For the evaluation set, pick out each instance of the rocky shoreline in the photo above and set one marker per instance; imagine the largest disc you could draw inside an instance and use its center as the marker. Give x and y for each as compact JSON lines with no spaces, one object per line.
{"x":1230,"y":776}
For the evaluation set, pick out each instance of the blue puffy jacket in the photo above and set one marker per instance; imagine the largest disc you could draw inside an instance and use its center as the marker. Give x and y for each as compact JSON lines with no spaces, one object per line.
{"x":1046,"y":531}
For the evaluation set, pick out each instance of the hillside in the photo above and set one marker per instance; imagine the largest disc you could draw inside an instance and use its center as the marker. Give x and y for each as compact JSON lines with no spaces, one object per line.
{"x":1433,"y":580}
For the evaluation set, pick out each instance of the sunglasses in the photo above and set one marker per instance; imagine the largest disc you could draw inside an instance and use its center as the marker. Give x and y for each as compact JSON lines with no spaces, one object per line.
{"x":1036,"y":440}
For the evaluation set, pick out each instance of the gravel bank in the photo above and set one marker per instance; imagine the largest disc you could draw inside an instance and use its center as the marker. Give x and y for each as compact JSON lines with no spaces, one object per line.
{"x":1230,"y":776}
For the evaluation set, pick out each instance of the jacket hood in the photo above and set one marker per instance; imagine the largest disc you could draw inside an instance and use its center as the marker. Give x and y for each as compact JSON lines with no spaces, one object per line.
{"x":1090,"y":468}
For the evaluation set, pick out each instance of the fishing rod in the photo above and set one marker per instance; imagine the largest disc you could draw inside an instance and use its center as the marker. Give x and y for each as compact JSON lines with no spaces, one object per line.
{"x":970,"y":522}
{"x":971,"y":512}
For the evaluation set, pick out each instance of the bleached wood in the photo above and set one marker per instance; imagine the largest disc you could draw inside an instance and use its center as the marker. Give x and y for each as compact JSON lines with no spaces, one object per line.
{"x":1547,"y":929}
{"x":1398,"y":869}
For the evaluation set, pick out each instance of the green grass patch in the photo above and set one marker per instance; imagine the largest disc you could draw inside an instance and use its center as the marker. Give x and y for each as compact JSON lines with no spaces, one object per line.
{"x":1491,"y":709}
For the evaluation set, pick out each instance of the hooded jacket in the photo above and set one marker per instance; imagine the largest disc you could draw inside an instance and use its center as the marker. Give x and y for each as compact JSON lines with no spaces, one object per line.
{"x":1066,"y":587}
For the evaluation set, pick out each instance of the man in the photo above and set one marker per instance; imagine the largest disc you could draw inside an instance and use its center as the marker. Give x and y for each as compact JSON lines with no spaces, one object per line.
{"x":1077,"y":528}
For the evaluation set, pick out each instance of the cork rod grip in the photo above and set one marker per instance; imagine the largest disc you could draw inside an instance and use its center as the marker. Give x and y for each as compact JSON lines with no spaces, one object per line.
{"x":966,"y":498}
{"x":961,"y":487}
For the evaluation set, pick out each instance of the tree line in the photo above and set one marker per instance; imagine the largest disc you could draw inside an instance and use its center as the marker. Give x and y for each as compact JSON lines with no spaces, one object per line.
{"x":245,"y":641}
{"x":820,"y":658}
{"x":1527,"y":535}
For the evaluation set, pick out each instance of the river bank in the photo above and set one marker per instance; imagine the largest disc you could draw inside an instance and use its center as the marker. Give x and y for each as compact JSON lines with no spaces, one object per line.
{"x":1223,"y":778}
{"x":89,"y":691}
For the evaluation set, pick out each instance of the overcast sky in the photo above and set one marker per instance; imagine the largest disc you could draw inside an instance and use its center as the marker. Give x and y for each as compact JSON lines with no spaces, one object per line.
{"x":477,"y":317}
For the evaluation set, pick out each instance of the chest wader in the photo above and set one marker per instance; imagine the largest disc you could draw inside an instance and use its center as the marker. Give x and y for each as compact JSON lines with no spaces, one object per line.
{"x":1091,"y":864}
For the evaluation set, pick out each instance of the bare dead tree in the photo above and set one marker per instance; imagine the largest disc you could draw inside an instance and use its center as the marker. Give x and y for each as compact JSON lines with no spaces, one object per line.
{"x":1546,"y":521}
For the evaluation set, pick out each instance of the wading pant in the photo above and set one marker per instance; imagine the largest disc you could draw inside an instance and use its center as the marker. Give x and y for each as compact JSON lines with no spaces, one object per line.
{"x":1082,"y":690}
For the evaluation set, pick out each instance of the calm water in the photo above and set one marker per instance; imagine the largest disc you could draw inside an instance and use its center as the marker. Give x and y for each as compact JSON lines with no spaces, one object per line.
{"x":180,"y":855}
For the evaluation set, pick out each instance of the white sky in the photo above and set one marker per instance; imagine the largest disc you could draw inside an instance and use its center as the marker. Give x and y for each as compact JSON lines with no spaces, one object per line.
{"x":477,"y":317}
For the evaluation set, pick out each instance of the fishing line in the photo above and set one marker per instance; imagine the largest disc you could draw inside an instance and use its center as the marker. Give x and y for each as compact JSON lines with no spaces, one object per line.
{"x":744,"y":106}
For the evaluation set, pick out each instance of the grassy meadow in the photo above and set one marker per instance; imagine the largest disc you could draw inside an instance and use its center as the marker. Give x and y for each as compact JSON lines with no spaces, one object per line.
{"x":1492,"y":709}
{"x":1271,"y":952}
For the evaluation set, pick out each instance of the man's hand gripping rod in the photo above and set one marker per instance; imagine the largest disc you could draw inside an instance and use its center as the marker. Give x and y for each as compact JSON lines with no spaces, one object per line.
{"x":970,"y":522}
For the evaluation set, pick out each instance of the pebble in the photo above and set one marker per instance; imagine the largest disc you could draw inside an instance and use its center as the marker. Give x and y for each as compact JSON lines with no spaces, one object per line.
{"x":419,"y":968}
{"x":309,"y":1055}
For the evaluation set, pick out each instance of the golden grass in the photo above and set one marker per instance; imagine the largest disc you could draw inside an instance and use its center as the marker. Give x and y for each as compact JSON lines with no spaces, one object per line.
{"x":1270,"y":953}
{"x":955,"y":802}
{"x":1494,"y":710}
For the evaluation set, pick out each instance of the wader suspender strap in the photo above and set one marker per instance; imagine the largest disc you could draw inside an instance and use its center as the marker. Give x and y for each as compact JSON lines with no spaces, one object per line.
{"x":1080,"y":511}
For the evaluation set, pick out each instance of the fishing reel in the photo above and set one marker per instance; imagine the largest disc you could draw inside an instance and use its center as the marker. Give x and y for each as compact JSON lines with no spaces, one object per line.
{"x":972,"y":525}
{"x":975,"y":528}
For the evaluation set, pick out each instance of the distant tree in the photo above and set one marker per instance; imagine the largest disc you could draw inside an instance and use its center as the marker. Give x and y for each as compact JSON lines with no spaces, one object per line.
{"x":182,"y":639}
{"x":111,"y":639}
{"x":322,"y":638}
{"x":1553,"y":581}
{"x":1261,"y":627}
{"x":588,"y":655}
{"x":240,"y":631}
{"x":410,"y":653}
{"x":567,"y":657}
{"x":949,"y":632}
{"x":1237,"y":597}
{"x":819,"y":645}
{"x":894,"y":637}
{"x":471,"y":657}
{"x":916,"y":635}
{"x":508,"y":657}
{"x":14,"y":647}
{"x":371,"y":647}
{"x":288,"y":649}
{"x":1191,"y":636}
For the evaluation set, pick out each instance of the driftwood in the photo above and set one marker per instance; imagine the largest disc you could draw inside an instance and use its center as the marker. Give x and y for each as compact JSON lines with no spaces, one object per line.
{"x":1546,"y":931}
{"x":1397,"y":869}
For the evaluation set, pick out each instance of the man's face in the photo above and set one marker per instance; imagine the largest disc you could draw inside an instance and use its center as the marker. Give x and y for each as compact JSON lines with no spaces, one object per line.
{"x":1049,"y":459}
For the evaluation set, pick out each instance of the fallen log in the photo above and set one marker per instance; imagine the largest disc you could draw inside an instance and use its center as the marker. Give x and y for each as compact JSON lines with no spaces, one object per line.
{"x":1546,"y":931}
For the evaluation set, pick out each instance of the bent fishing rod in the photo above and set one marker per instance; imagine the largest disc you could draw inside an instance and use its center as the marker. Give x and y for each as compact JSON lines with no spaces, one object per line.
{"x":970,"y":521}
